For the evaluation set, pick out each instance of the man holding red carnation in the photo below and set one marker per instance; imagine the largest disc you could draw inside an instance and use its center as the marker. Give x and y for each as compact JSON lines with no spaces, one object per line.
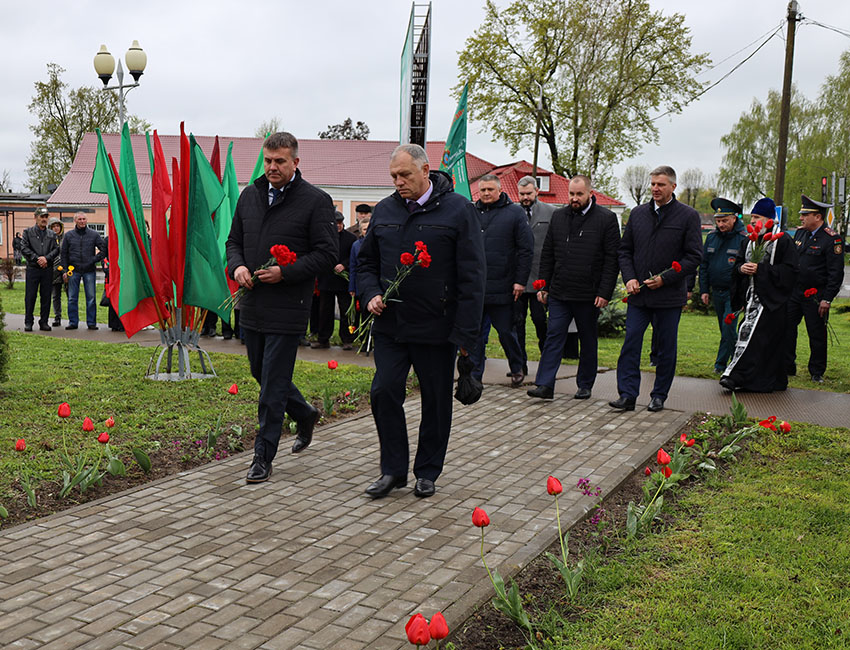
{"x":280,"y":208}
{"x":434,"y":310}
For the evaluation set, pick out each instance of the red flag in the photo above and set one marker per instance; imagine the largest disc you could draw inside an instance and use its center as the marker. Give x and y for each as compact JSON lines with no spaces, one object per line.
{"x":177,"y":233}
{"x":215,"y":160}
{"x":160,"y":200}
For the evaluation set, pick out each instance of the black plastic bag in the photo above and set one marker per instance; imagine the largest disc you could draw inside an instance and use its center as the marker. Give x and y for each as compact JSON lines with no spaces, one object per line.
{"x":469,"y":388}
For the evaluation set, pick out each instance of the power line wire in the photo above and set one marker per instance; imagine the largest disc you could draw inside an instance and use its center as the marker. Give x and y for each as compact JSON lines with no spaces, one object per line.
{"x":832,"y":28}
{"x":747,"y":46}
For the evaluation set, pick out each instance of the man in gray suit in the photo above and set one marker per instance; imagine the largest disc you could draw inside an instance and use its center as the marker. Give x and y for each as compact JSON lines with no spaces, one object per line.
{"x":539,"y":214}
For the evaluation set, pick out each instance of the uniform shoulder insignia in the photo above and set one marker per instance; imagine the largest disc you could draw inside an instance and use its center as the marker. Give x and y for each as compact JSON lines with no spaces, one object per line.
{"x":837,"y":248}
{"x":829,"y":231}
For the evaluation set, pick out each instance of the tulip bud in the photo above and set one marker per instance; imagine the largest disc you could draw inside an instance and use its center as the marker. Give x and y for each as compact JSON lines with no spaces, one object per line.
{"x":233,"y":390}
{"x":332,"y":364}
{"x":64,"y":410}
{"x":666,"y":471}
{"x":647,"y":471}
{"x":20,"y":445}
{"x":103,"y":438}
{"x":553,"y":486}
{"x":438,"y":627}
{"x":663,"y":457}
{"x":480,"y":518}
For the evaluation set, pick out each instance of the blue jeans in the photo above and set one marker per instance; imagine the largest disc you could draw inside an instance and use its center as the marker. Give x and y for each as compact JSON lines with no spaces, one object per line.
{"x":73,"y":298}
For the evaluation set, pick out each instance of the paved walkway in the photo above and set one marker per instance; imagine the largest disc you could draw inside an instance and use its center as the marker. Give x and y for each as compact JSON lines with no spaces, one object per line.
{"x":305,"y":561}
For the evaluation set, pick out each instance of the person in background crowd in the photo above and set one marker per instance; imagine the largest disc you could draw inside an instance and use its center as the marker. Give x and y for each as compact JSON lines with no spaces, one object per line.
{"x":353,"y":289}
{"x":39,"y":249}
{"x":55,"y":224}
{"x":333,"y":288}
{"x":16,"y":248}
{"x":78,"y":250}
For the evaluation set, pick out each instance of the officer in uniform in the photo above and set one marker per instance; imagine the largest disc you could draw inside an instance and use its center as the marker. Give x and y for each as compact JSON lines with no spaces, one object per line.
{"x":715,"y":272}
{"x":821,"y":267}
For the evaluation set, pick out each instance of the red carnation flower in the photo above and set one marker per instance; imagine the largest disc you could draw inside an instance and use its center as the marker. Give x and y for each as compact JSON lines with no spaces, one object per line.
{"x":20,"y":445}
{"x":407,"y":258}
{"x":676,"y":267}
{"x":538,"y":284}
{"x":438,"y":627}
{"x":103,"y":438}
{"x":663,"y":457}
{"x":553,"y":486}
{"x":233,"y":390}
{"x":808,"y":293}
{"x":480,"y":518}
{"x":424,"y":259}
{"x":729,"y":319}
{"x":64,"y":410}
{"x":88,"y":425}
{"x":666,"y":471}
{"x":332,"y":364}
{"x":420,"y":246}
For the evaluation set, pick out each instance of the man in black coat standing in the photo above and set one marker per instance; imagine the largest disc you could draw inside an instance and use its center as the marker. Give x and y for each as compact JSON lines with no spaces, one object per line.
{"x":333,"y":288}
{"x":78,"y":251}
{"x":39,"y":249}
{"x":509,"y":249}
{"x":578,"y":263}
{"x":660,"y":248}
{"x":437,"y":309}
{"x":279,"y":207}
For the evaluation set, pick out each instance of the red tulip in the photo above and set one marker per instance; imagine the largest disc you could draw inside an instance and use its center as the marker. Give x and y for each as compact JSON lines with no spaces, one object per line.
{"x":690,"y":443}
{"x":666,"y":471}
{"x":538,"y":284}
{"x":332,"y":364}
{"x":647,"y":471}
{"x":417,"y":630}
{"x":103,"y":438}
{"x":110,"y":422}
{"x":88,"y":425}
{"x":769,"y":224}
{"x":767,"y":236}
{"x":683,"y":437}
{"x":406,"y":259}
{"x":233,"y":390}
{"x":784,"y":427}
{"x":677,"y":267}
{"x":553,"y":486}
{"x":438,"y":627}
{"x":769,"y":423}
{"x":20,"y":445}
{"x":757,"y":226}
{"x":750,"y":228}
{"x":347,"y":394}
{"x":663,"y":457}
{"x":480,"y":518}
{"x":64,"y":410}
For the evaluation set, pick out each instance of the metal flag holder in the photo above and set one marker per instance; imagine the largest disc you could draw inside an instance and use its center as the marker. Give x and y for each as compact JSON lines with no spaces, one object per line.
{"x":182,"y":342}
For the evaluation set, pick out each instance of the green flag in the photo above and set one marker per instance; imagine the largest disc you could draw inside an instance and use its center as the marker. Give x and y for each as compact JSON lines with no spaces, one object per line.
{"x":204,"y":283}
{"x":130,"y":289}
{"x":454,"y":157}
{"x":127,"y":172}
{"x":259,"y":169}
{"x":225,"y":212}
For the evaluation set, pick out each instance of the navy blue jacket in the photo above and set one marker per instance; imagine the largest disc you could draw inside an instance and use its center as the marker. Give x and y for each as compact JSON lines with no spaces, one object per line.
{"x":78,"y":249}
{"x":444,"y":301}
{"x":649,"y":247}
{"x":718,"y":257}
{"x":509,"y":248}
{"x":821,"y":262}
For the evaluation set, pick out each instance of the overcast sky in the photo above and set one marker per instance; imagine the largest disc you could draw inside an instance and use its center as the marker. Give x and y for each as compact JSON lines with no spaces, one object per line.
{"x":225,"y":67}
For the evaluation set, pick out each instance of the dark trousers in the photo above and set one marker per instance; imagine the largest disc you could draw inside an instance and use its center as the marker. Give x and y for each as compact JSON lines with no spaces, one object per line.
{"x":57,"y":301}
{"x":272,"y":359}
{"x":434,"y":367}
{"x":665,"y":323}
{"x":561,"y":313}
{"x":326,"y":315}
{"x":799,"y":308}
{"x":728,"y":333}
{"x":39,"y":282}
{"x":501,"y":317}
{"x":529,"y":302}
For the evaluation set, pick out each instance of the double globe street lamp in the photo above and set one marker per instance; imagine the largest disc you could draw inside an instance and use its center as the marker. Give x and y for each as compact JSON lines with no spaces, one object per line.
{"x":104,"y":65}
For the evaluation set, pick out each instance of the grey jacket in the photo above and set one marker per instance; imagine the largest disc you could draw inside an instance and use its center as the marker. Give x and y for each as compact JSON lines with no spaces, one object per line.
{"x":541,"y":215}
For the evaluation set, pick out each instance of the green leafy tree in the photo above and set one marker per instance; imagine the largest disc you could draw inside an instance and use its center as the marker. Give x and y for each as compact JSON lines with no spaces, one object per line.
{"x":64,"y":115}
{"x":598,"y":68}
{"x":347,"y":130}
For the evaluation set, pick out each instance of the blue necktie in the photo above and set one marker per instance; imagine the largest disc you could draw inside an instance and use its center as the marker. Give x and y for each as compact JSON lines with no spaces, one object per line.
{"x":411,"y":206}
{"x":276,"y":194}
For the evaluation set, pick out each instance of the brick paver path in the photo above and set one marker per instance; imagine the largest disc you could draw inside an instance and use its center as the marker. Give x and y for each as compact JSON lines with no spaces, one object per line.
{"x":203,"y":560}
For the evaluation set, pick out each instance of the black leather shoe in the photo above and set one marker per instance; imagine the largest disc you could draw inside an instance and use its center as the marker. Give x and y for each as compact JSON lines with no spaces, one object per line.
{"x":543,"y":392}
{"x":320,"y":345}
{"x":304,"y":432}
{"x":384,"y":485}
{"x":727,"y":383}
{"x":70,"y":327}
{"x":28,"y":328}
{"x":424,"y":488}
{"x":93,"y":327}
{"x":516,"y":379}
{"x":47,"y":328}
{"x":57,"y":323}
{"x":655,"y":404}
{"x":818,"y":379}
{"x":582,"y":393}
{"x":259,"y":471}
{"x":623,"y":404}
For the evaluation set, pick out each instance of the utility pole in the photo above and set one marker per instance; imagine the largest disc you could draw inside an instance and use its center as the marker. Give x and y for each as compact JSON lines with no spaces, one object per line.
{"x":785,"y":113}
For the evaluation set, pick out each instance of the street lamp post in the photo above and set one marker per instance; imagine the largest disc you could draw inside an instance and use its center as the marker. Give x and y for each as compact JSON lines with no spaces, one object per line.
{"x":104,"y":65}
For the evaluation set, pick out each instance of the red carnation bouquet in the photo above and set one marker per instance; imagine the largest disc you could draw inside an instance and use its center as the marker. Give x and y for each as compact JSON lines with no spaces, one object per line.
{"x":675,"y":266}
{"x":281,"y":255}
{"x":409,"y":261}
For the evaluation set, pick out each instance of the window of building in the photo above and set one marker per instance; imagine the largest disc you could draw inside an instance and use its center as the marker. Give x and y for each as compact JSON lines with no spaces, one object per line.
{"x":100,"y":228}
{"x":543,"y":183}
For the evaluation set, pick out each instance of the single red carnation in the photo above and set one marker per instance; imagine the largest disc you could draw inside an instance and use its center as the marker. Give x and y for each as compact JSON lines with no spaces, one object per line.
{"x":677,"y":267}
{"x":407,"y":258}
{"x":538,"y":284}
{"x":424,"y":259}
{"x":420,"y":246}
{"x":729,"y":319}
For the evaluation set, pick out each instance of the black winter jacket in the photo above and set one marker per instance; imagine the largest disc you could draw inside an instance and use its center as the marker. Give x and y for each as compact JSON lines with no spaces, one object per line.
{"x":302,"y":218}
{"x":37,"y":243}
{"x":584,"y":265}
{"x":509,"y":248}
{"x":649,"y":247}
{"x":444,"y":301}
{"x":78,"y":249}
{"x":330,"y":281}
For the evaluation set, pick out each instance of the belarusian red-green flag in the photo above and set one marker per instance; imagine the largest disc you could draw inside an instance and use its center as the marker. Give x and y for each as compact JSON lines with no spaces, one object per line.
{"x":127,"y":173}
{"x":259,"y":169}
{"x":131,"y":291}
{"x":454,"y":157}
{"x":204,"y":283}
{"x":225,"y":212}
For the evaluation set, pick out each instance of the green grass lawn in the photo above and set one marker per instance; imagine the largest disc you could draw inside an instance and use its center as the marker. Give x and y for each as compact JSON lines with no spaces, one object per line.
{"x":699,"y":337}
{"x":757,"y":558}
{"x":13,"y":303}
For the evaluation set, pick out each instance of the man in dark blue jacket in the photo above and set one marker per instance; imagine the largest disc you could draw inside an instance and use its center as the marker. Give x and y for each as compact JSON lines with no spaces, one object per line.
{"x":660,"y":248}
{"x":509,"y":249}
{"x":715,"y":272}
{"x":78,"y":251}
{"x":437,"y":309}
{"x":279,"y":207}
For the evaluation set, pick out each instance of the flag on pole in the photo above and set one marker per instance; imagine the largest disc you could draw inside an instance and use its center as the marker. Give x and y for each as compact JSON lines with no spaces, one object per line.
{"x":160,"y":201}
{"x":127,"y":172}
{"x":259,"y":169}
{"x":225,"y":212}
{"x":131,"y":291}
{"x":454,"y":157}
{"x":204,"y":283}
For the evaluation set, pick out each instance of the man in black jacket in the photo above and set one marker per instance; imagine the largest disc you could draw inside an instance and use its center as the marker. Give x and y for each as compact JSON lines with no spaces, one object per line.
{"x":660,"y":248}
{"x":437,"y":310}
{"x":578,"y":263}
{"x":509,"y":248}
{"x":333,"y":288}
{"x":282,"y":208}
{"x":39,"y":249}
{"x":78,"y":251}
